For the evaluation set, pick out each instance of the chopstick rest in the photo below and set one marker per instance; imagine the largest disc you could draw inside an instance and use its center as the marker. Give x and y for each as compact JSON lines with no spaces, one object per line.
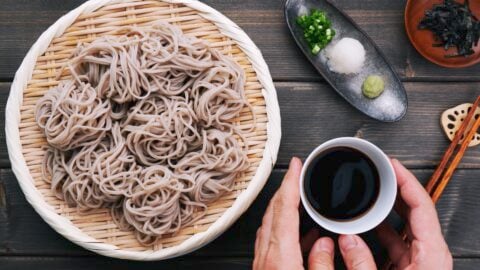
{"x":452,"y":119}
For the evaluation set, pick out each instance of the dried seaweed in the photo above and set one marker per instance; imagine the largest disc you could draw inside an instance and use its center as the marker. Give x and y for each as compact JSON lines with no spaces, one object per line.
{"x":453,"y":25}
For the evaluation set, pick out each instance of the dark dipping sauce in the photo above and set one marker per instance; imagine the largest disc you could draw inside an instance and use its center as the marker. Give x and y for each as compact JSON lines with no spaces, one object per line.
{"x":342,"y":183}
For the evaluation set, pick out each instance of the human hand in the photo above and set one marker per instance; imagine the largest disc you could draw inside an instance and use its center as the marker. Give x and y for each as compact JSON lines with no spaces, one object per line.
{"x":278,"y":239}
{"x":278,"y":244}
{"x":427,"y":249}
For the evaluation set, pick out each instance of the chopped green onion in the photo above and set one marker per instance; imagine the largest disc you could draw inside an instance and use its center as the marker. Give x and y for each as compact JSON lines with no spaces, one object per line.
{"x":316,"y":30}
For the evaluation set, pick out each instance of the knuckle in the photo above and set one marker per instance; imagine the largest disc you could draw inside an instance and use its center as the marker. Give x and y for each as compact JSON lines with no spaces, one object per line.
{"x":270,"y":263}
{"x":321,"y":262}
{"x":358,"y":262}
{"x":264,"y":232}
{"x":273,"y":242}
{"x":281,"y":202}
{"x":323,"y":266}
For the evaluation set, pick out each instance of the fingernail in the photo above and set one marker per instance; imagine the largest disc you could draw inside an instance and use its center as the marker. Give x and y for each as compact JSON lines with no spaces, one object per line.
{"x":293,"y":162}
{"x":348,"y":242}
{"x":323,"y":245}
{"x":397,"y":162}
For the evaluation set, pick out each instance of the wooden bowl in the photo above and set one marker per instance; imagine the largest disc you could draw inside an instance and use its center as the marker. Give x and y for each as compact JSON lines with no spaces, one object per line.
{"x":422,"y":40}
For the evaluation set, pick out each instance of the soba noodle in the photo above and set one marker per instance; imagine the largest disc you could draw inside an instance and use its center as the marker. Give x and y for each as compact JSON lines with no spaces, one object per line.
{"x":145,"y":127}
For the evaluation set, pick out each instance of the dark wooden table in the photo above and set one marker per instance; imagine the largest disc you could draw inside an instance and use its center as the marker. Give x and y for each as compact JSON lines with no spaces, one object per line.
{"x":311,"y":112}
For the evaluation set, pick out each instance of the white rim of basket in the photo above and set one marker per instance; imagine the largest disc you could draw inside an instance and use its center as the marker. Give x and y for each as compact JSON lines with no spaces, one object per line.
{"x":63,"y":225}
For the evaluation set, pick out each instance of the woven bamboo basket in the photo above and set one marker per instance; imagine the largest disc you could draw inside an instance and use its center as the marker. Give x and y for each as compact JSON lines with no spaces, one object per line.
{"x":96,"y":231}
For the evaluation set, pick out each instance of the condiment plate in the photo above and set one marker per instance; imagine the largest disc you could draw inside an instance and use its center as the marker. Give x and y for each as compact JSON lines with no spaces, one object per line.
{"x":391,"y":106}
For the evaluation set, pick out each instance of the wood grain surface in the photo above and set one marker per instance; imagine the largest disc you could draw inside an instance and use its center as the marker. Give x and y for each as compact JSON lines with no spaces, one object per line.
{"x":21,"y":22}
{"x":22,"y":231}
{"x":311,"y":113}
{"x":14,"y":263}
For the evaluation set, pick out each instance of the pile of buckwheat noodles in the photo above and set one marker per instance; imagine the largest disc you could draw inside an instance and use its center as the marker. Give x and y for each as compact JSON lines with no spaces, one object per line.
{"x":145,"y":127}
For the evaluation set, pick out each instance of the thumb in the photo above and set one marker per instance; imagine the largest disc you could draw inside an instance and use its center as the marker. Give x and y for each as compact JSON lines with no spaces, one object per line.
{"x":355,"y":253}
{"x":321,"y":255}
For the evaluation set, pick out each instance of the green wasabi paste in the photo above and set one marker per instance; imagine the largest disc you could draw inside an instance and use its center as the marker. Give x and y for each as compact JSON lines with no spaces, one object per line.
{"x":373,"y":86}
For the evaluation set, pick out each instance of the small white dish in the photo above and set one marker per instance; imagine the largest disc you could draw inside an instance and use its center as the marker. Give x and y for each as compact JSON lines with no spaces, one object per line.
{"x":386,"y":196}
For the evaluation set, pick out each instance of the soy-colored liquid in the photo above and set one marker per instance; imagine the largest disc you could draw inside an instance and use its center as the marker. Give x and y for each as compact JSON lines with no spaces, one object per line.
{"x":342,"y":183}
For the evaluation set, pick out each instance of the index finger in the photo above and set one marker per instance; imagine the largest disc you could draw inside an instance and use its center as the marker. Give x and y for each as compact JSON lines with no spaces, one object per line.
{"x":423,"y":219}
{"x":286,"y":220}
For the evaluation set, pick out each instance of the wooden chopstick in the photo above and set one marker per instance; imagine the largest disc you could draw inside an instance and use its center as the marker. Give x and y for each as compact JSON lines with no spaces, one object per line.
{"x":437,"y":192}
{"x":436,"y":185}
{"x":456,"y":139}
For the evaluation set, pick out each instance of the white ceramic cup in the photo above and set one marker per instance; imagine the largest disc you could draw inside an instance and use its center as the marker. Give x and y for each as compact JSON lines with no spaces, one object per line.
{"x":386,"y":196}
